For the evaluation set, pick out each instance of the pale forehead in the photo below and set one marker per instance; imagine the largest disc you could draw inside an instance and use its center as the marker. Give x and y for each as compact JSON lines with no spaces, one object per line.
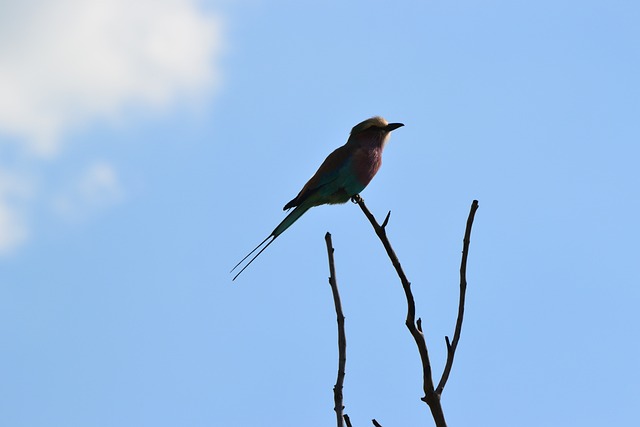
{"x":376,"y":121}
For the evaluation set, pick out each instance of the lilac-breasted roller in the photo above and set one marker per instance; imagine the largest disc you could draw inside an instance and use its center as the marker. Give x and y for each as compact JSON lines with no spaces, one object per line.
{"x":343,"y":174}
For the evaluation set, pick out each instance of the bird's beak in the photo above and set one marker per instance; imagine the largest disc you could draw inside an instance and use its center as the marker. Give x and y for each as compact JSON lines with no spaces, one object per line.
{"x":393,"y":126}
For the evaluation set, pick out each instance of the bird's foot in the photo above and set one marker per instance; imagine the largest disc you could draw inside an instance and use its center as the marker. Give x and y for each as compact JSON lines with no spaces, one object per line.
{"x":357,"y":199}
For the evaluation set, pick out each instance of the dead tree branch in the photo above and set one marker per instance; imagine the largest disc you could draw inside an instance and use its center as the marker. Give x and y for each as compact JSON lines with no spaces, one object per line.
{"x":342,"y":338}
{"x":431,"y":395}
{"x":451,"y":346}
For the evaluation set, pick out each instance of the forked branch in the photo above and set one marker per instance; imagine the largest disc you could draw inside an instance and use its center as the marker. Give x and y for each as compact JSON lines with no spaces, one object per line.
{"x":431,"y":395}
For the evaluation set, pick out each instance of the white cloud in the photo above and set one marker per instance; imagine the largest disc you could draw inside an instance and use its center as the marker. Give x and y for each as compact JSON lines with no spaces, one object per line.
{"x":96,"y":188}
{"x":65,"y":62}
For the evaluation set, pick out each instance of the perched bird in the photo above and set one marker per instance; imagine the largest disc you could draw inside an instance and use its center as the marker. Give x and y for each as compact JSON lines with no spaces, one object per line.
{"x":343,"y":174}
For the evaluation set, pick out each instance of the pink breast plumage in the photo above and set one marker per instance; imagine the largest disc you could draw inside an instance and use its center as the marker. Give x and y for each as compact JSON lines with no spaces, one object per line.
{"x":366,"y":162}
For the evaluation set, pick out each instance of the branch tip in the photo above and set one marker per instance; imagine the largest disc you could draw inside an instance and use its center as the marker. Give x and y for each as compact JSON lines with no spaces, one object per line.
{"x":386,"y":220}
{"x":347,"y":420}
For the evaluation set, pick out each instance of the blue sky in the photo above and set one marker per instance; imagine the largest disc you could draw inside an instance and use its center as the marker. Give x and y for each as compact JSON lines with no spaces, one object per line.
{"x":145,"y":149}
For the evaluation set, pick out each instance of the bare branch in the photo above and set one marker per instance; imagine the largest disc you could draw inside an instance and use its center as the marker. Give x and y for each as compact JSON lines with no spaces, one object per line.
{"x":342,"y":338}
{"x":431,"y":398}
{"x":451,"y":346}
{"x":375,"y":423}
{"x":347,"y":420}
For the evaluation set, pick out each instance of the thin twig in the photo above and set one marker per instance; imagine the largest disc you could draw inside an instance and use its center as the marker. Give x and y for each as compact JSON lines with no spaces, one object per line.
{"x":342,"y":338}
{"x":386,"y":220}
{"x":375,"y":423}
{"x":347,"y":420}
{"x":451,"y":346}
{"x":431,"y":398}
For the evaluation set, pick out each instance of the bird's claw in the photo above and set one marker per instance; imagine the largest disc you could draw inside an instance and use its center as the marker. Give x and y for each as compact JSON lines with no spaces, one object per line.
{"x":356,"y":199}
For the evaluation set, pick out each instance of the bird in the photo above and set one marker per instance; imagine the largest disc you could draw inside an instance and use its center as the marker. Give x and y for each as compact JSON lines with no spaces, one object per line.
{"x":343,"y":174}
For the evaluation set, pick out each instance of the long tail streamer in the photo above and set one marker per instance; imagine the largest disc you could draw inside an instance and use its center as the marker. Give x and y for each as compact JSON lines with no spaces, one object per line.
{"x":272,"y":237}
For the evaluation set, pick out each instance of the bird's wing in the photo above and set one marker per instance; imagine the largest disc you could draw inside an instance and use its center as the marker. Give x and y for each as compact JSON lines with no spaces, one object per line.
{"x":330,"y":170}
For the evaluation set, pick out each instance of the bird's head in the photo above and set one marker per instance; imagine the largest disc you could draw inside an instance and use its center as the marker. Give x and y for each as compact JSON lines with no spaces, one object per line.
{"x":374,"y":125}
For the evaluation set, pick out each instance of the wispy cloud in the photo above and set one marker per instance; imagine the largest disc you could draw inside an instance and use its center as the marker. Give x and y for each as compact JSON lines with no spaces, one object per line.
{"x":96,"y":188}
{"x":67,"y":63}
{"x":15,"y":192}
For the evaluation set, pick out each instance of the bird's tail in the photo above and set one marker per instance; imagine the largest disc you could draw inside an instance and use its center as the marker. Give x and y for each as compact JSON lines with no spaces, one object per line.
{"x":291,"y":218}
{"x":286,"y":223}
{"x":252,"y":259}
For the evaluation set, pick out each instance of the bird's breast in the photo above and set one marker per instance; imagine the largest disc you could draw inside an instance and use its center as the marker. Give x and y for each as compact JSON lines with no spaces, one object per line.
{"x":367,"y":161}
